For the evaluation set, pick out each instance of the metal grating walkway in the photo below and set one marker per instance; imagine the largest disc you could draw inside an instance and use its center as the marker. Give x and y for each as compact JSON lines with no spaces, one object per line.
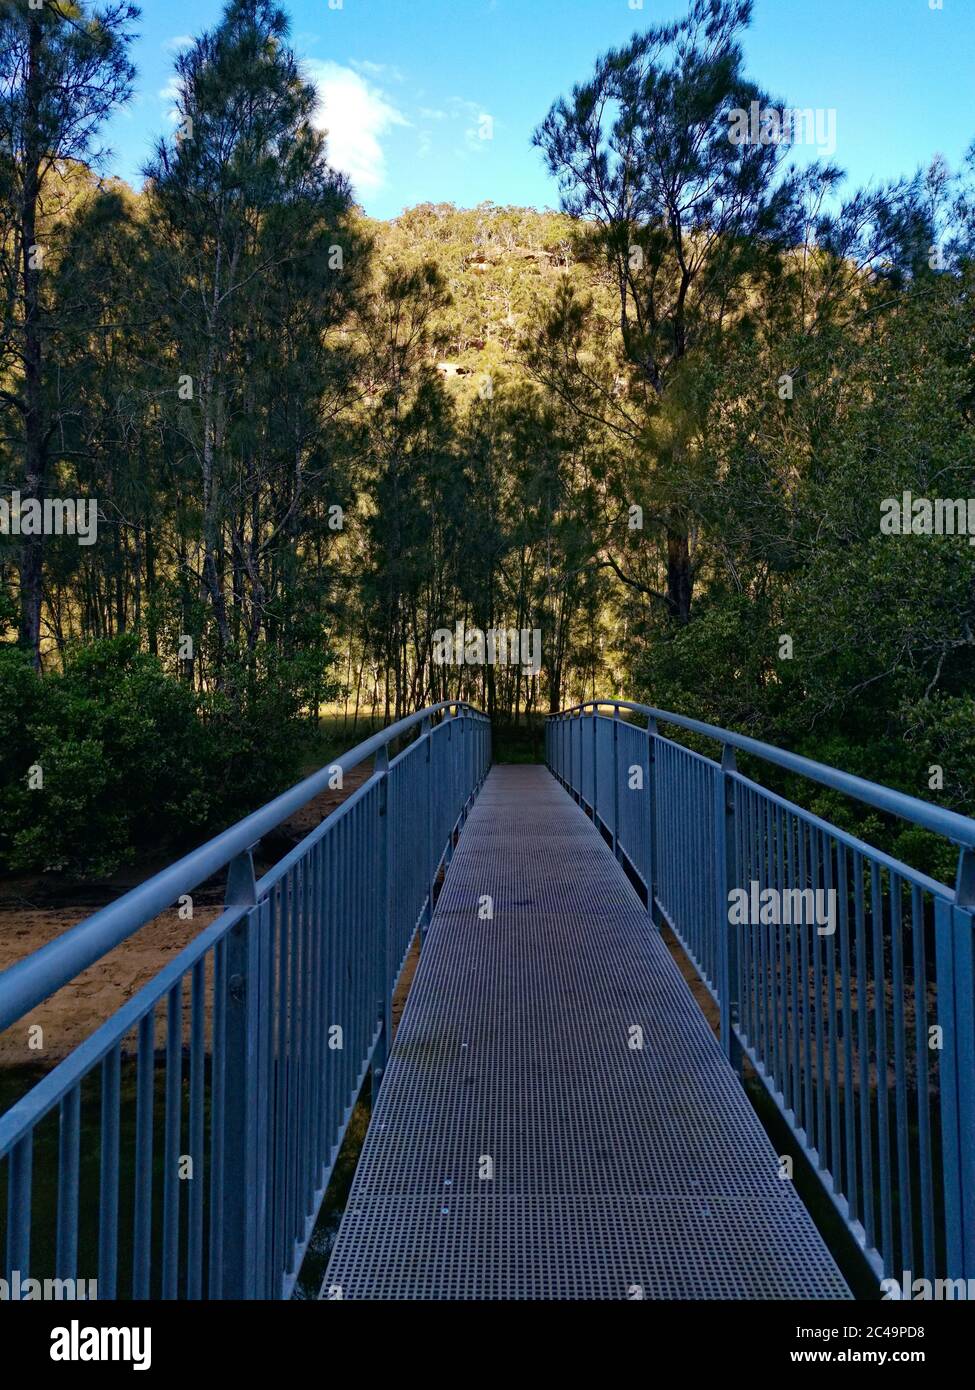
{"x":617,"y":1172}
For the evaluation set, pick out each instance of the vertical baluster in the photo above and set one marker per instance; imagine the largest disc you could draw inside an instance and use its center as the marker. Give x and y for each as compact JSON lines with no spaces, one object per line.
{"x":289,"y":910}
{"x":194,"y":1231}
{"x":652,"y":888}
{"x":66,"y":1258}
{"x":615,"y":764}
{"x":239,"y":1190}
{"x":309,"y":1081}
{"x":142,"y":1225}
{"x":880,"y":1031}
{"x":779,"y":965}
{"x":923,"y":1057}
{"x":793,"y":953}
{"x":819,"y":1021}
{"x":109,"y":1175}
{"x":727,"y":871}
{"x":218,"y":1090}
{"x":955,"y":960}
{"x":763,"y":931}
{"x":384,"y":952}
{"x":832,"y":1016}
{"x":19,"y":1206}
{"x":850,"y":1185}
{"x":748,"y":933}
{"x":868,"y":1206}
{"x":805,"y":1002}
{"x":429,"y":850}
{"x":319,"y":1072}
{"x":327,"y":929}
{"x":904,"y":1177}
{"x":171,"y":1141}
{"x":278,"y":928}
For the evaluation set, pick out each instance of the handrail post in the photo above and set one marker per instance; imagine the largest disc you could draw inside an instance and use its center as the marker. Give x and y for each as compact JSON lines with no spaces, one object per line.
{"x":954,"y":951}
{"x":616,"y":783}
{"x":595,"y":818}
{"x":235,"y":1258}
{"x":426,"y":733}
{"x":384,"y":952}
{"x":449,"y":721}
{"x":652,"y":822}
{"x":579,"y":762}
{"x":468,"y":764}
{"x":726,"y":870}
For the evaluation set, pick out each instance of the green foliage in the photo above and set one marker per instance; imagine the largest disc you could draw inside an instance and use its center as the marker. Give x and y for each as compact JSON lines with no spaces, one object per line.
{"x":882,"y":654}
{"x":131,"y":760}
{"x":121,"y":754}
{"x":252,"y":747}
{"x":488,"y":396}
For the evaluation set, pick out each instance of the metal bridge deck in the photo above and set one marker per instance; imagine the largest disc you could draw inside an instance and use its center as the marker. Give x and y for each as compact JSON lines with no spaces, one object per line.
{"x":520,"y":1146}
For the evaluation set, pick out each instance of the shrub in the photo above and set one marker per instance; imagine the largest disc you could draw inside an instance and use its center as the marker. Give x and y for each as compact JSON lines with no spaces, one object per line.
{"x":121,"y":755}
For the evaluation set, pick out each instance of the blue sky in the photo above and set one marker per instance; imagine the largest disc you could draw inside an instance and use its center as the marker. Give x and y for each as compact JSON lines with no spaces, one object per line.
{"x":435,"y":100}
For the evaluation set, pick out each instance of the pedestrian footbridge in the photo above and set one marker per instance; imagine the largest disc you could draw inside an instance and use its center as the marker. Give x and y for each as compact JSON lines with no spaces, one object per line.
{"x":555,"y":1117}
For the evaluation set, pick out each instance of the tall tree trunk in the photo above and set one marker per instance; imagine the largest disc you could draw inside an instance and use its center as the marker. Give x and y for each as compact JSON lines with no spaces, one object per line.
{"x":35,"y":430}
{"x":680,"y":580}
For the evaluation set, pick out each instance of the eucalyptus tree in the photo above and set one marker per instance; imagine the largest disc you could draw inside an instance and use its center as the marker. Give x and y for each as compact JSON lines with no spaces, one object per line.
{"x":684,"y":218}
{"x":64,"y":67}
{"x":409,"y":439}
{"x":257,"y":263}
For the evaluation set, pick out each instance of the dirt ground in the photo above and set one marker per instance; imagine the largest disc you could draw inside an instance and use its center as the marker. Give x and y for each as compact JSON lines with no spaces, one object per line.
{"x":35,"y":911}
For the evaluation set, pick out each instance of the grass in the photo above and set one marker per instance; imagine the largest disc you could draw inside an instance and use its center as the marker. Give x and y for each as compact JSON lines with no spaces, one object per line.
{"x":333,"y":736}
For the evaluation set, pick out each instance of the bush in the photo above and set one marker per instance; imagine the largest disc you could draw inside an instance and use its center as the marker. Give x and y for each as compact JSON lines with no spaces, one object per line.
{"x":132,"y":760}
{"x":121,"y":759}
{"x":252,"y":747}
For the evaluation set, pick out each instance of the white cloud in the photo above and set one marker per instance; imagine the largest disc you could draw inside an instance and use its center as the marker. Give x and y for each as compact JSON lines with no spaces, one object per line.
{"x":355,"y":115}
{"x":174,"y":45}
{"x":172,"y":93}
{"x":387,"y":70}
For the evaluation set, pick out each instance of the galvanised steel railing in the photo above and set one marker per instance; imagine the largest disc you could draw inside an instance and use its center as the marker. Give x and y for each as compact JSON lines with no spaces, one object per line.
{"x":863,"y":1032}
{"x":183,"y":1150}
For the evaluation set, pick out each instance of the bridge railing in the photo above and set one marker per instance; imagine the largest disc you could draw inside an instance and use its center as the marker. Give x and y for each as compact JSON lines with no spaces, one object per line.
{"x":843,"y":975}
{"x":183,"y":1150}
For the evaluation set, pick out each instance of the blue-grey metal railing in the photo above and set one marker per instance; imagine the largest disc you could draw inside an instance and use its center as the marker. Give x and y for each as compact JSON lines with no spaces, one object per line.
{"x":217,"y":1098}
{"x":859,"y":1018}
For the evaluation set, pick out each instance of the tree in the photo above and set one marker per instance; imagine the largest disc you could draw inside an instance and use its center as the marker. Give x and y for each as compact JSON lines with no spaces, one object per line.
{"x":256,"y":263}
{"x":685,"y":219}
{"x":63,"y":68}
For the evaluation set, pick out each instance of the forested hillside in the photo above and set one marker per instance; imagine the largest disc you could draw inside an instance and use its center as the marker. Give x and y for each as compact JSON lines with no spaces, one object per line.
{"x":657,"y":426}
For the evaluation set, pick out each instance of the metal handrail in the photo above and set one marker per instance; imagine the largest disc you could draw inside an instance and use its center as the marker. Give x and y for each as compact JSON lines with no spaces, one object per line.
{"x":842,"y":974}
{"x":955,"y":827}
{"x":30,"y":981}
{"x":244,"y":1056}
